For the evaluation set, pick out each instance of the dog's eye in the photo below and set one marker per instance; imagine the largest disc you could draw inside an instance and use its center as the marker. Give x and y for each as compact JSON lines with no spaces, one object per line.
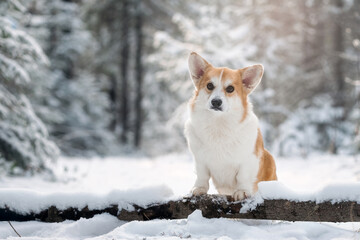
{"x":229,"y":89}
{"x":210,"y":86}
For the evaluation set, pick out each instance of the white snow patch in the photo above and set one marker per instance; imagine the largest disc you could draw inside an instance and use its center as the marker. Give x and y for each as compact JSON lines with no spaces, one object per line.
{"x":335,"y":192}
{"x":194,"y":227}
{"x":277,"y":190}
{"x":251,"y":203}
{"x":198,"y":227}
{"x":26,"y":201}
{"x":81,"y":229}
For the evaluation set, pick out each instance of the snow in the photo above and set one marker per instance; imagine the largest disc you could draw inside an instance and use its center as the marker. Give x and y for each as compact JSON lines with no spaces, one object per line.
{"x":12,"y":70}
{"x":123,"y":179}
{"x":37,"y":201}
{"x":335,"y":193}
{"x":84,"y":228}
{"x":195,"y":226}
{"x":338,"y":192}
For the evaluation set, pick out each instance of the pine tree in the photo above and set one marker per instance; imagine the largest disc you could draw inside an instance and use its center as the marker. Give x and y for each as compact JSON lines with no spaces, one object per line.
{"x":118,"y":28}
{"x":24,"y":140}
{"x":76,"y":97}
{"x":321,"y":121}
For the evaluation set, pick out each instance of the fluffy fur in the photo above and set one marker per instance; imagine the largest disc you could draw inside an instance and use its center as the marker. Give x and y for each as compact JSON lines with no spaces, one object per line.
{"x":226,"y":141}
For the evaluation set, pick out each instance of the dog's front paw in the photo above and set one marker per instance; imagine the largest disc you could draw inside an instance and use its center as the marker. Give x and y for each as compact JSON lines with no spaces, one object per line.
{"x":240,"y":195}
{"x":198,"y":191}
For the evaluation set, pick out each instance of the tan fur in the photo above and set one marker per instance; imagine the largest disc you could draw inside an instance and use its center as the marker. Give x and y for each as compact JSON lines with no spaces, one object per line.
{"x":234,"y":75}
{"x":267,"y":168}
{"x":239,"y":87}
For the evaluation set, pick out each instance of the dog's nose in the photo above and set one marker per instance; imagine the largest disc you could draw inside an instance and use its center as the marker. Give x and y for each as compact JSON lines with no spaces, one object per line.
{"x":216,"y":102}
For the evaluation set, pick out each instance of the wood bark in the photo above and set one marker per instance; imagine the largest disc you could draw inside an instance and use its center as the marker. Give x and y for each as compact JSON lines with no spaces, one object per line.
{"x":212,"y":206}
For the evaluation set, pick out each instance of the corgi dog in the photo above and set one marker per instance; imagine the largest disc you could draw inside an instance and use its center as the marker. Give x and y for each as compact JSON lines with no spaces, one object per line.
{"x":223,"y":132}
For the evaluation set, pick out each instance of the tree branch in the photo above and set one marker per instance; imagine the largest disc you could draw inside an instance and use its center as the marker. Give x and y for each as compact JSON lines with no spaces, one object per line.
{"x":212,"y":206}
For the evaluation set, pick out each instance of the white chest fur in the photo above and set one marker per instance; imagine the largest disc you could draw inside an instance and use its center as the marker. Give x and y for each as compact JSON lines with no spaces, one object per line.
{"x":223,"y":149}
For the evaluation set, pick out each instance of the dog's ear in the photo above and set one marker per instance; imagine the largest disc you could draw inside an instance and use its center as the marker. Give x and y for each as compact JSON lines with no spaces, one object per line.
{"x":197,"y":67}
{"x":251,"y":76}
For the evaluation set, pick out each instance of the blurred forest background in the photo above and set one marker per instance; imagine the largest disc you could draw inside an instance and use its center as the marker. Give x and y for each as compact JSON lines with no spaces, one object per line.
{"x":85,"y":78}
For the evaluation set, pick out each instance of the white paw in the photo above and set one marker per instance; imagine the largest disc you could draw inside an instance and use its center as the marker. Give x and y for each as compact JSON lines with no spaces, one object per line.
{"x":240,"y":195}
{"x":198,"y":191}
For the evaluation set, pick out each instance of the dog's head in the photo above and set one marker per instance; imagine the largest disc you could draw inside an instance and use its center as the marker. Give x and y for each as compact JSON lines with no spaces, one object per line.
{"x":222,"y":90}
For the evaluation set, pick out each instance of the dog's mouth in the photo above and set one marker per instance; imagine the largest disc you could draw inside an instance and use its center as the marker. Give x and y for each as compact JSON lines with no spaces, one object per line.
{"x":216,"y":108}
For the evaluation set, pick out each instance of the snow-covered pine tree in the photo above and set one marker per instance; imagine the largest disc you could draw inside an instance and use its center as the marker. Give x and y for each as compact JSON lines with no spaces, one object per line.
{"x":351,"y":57}
{"x":24,"y":140}
{"x":324,"y":117}
{"x":118,"y":29}
{"x":79,"y":120}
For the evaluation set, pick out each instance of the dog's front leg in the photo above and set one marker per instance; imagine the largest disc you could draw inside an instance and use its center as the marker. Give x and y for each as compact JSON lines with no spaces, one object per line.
{"x":244,"y":186}
{"x":201,"y":185}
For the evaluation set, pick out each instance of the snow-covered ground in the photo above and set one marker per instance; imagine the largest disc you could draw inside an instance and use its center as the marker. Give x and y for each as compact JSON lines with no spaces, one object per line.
{"x":132,"y":175}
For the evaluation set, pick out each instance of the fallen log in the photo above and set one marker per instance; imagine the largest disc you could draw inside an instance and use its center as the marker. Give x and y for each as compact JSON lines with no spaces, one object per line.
{"x":212,"y":206}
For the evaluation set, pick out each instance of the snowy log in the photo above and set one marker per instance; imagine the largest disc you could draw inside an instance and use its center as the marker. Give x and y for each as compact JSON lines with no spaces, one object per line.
{"x":212,"y":206}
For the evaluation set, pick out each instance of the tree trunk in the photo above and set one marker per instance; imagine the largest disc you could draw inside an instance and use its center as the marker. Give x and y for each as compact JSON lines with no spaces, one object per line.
{"x":124,"y":60}
{"x":338,"y":73}
{"x":338,"y":49}
{"x":212,"y":206}
{"x":53,"y":38}
{"x":113,"y":97}
{"x":138,"y":74}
